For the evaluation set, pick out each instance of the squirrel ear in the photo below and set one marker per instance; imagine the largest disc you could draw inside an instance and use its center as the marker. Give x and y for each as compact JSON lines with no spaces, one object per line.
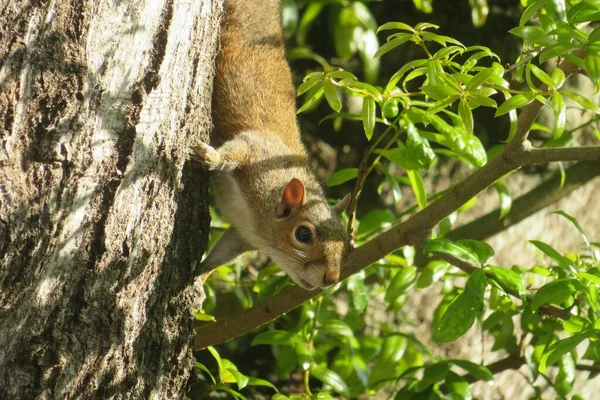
{"x":341,"y":206}
{"x":293,"y":193}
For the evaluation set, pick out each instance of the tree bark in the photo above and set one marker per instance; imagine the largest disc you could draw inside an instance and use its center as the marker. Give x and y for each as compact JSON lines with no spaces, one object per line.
{"x":102,"y":216}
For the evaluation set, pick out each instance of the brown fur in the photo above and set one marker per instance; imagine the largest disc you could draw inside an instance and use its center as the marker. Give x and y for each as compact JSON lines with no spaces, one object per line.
{"x":259,"y":152}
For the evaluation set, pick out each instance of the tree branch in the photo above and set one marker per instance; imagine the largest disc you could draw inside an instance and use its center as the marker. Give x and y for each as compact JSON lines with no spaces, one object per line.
{"x":540,"y":197}
{"x":542,"y":156}
{"x":516,"y":153}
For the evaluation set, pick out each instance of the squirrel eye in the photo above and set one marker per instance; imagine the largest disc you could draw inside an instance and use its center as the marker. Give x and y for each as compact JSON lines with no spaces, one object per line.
{"x":304,"y":234}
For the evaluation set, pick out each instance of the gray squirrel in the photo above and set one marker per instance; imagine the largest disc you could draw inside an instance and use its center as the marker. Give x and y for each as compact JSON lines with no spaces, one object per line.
{"x":264,"y":186}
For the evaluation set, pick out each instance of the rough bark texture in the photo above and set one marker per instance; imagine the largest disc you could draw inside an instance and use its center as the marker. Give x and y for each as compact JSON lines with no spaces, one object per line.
{"x":102,"y":216}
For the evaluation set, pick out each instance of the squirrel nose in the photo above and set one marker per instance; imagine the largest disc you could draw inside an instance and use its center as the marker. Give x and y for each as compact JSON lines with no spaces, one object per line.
{"x":331,"y":277}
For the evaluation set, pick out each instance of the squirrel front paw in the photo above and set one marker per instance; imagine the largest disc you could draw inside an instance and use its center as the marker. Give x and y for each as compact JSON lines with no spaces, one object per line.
{"x":207,"y":155}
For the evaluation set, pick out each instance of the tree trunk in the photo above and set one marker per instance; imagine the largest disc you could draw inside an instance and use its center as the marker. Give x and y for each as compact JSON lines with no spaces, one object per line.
{"x":102,"y":216}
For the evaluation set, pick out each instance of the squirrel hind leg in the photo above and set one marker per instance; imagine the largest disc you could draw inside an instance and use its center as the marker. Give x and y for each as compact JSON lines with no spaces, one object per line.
{"x":229,"y":247}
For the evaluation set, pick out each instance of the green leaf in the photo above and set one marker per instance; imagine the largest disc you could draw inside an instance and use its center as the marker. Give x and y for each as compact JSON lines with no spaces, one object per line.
{"x":433,"y":373}
{"x":336,"y":327}
{"x":518,"y":101}
{"x":403,"y":280}
{"x":424,"y":6}
{"x":541,"y":75}
{"x":342,"y":176}
{"x":558,"y":77}
{"x":395,"y":25}
{"x":400,"y":73}
{"x":375,"y":221}
{"x":330,"y":378}
{"x":434,"y":270}
{"x":589,"y":277}
{"x":479,"y":79}
{"x":418,"y":187}
{"x":594,"y":36}
{"x":311,"y":101}
{"x":560,"y":114}
{"x":530,"y":11}
{"x":582,"y":100}
{"x":277,"y":337}
{"x":308,"y":17}
{"x":479,"y":12}
{"x":368,"y":115}
{"x":233,"y":393}
{"x":340,"y":74}
{"x":466,"y":116}
{"x":548,"y":250}
{"x":392,"y":44}
{"x":332,"y":96}
{"x":556,"y":292}
{"x":508,"y":279}
{"x":358,"y":290}
{"x":445,"y":246}
{"x":504,"y":197}
{"x":480,"y":372}
{"x":445,"y":52}
{"x":461,"y":313}
{"x":439,"y":92}
{"x":480,"y":249}
{"x":557,"y":50}
{"x":361,"y":88}
{"x":577,"y":226}
{"x":392,"y":350}
{"x":592,"y":67}
{"x":230,"y":369}
{"x":309,"y":83}
{"x":305,"y":358}
{"x":558,"y":349}
{"x":559,"y":8}
{"x":202,"y":367}
{"x":202,"y":316}
{"x":217,"y":357}
{"x":529,"y":33}
{"x":252,"y":381}
{"x":566,"y":375}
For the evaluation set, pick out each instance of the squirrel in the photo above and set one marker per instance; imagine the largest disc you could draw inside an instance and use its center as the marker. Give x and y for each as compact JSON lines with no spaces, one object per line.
{"x":264,"y":187}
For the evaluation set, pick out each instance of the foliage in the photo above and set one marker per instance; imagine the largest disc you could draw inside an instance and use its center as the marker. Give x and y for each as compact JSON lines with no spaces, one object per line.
{"x":423,"y":113}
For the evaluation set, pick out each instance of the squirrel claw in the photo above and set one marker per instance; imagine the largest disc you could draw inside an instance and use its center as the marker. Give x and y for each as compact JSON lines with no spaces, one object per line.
{"x":208,"y":155}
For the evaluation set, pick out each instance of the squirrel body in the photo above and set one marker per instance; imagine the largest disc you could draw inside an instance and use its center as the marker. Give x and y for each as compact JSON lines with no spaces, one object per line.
{"x":264,"y":187}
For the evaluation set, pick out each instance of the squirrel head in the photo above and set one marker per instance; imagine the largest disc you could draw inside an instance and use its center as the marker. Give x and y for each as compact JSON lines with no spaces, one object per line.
{"x":313,"y":241}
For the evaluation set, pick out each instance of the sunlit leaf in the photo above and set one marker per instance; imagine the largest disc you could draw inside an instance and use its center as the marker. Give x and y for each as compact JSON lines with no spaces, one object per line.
{"x":558,"y":349}
{"x":518,"y":101}
{"x":368,"y":115}
{"x":332,"y":96}
{"x":330,"y":378}
{"x":464,"y":111}
{"x":480,"y":372}
{"x":582,"y":100}
{"x":541,"y":75}
{"x":395,"y":25}
{"x":392,"y":44}
{"x":404,"y":279}
{"x":461,"y":313}
{"x":556,"y":292}
{"x":561,"y":260}
{"x":504,"y":197}
{"x":342,"y":176}
{"x":418,"y":187}
{"x":511,"y":281}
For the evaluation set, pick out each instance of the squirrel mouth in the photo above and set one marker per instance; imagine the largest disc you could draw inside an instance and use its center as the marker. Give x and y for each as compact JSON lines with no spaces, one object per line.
{"x":306,"y":285}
